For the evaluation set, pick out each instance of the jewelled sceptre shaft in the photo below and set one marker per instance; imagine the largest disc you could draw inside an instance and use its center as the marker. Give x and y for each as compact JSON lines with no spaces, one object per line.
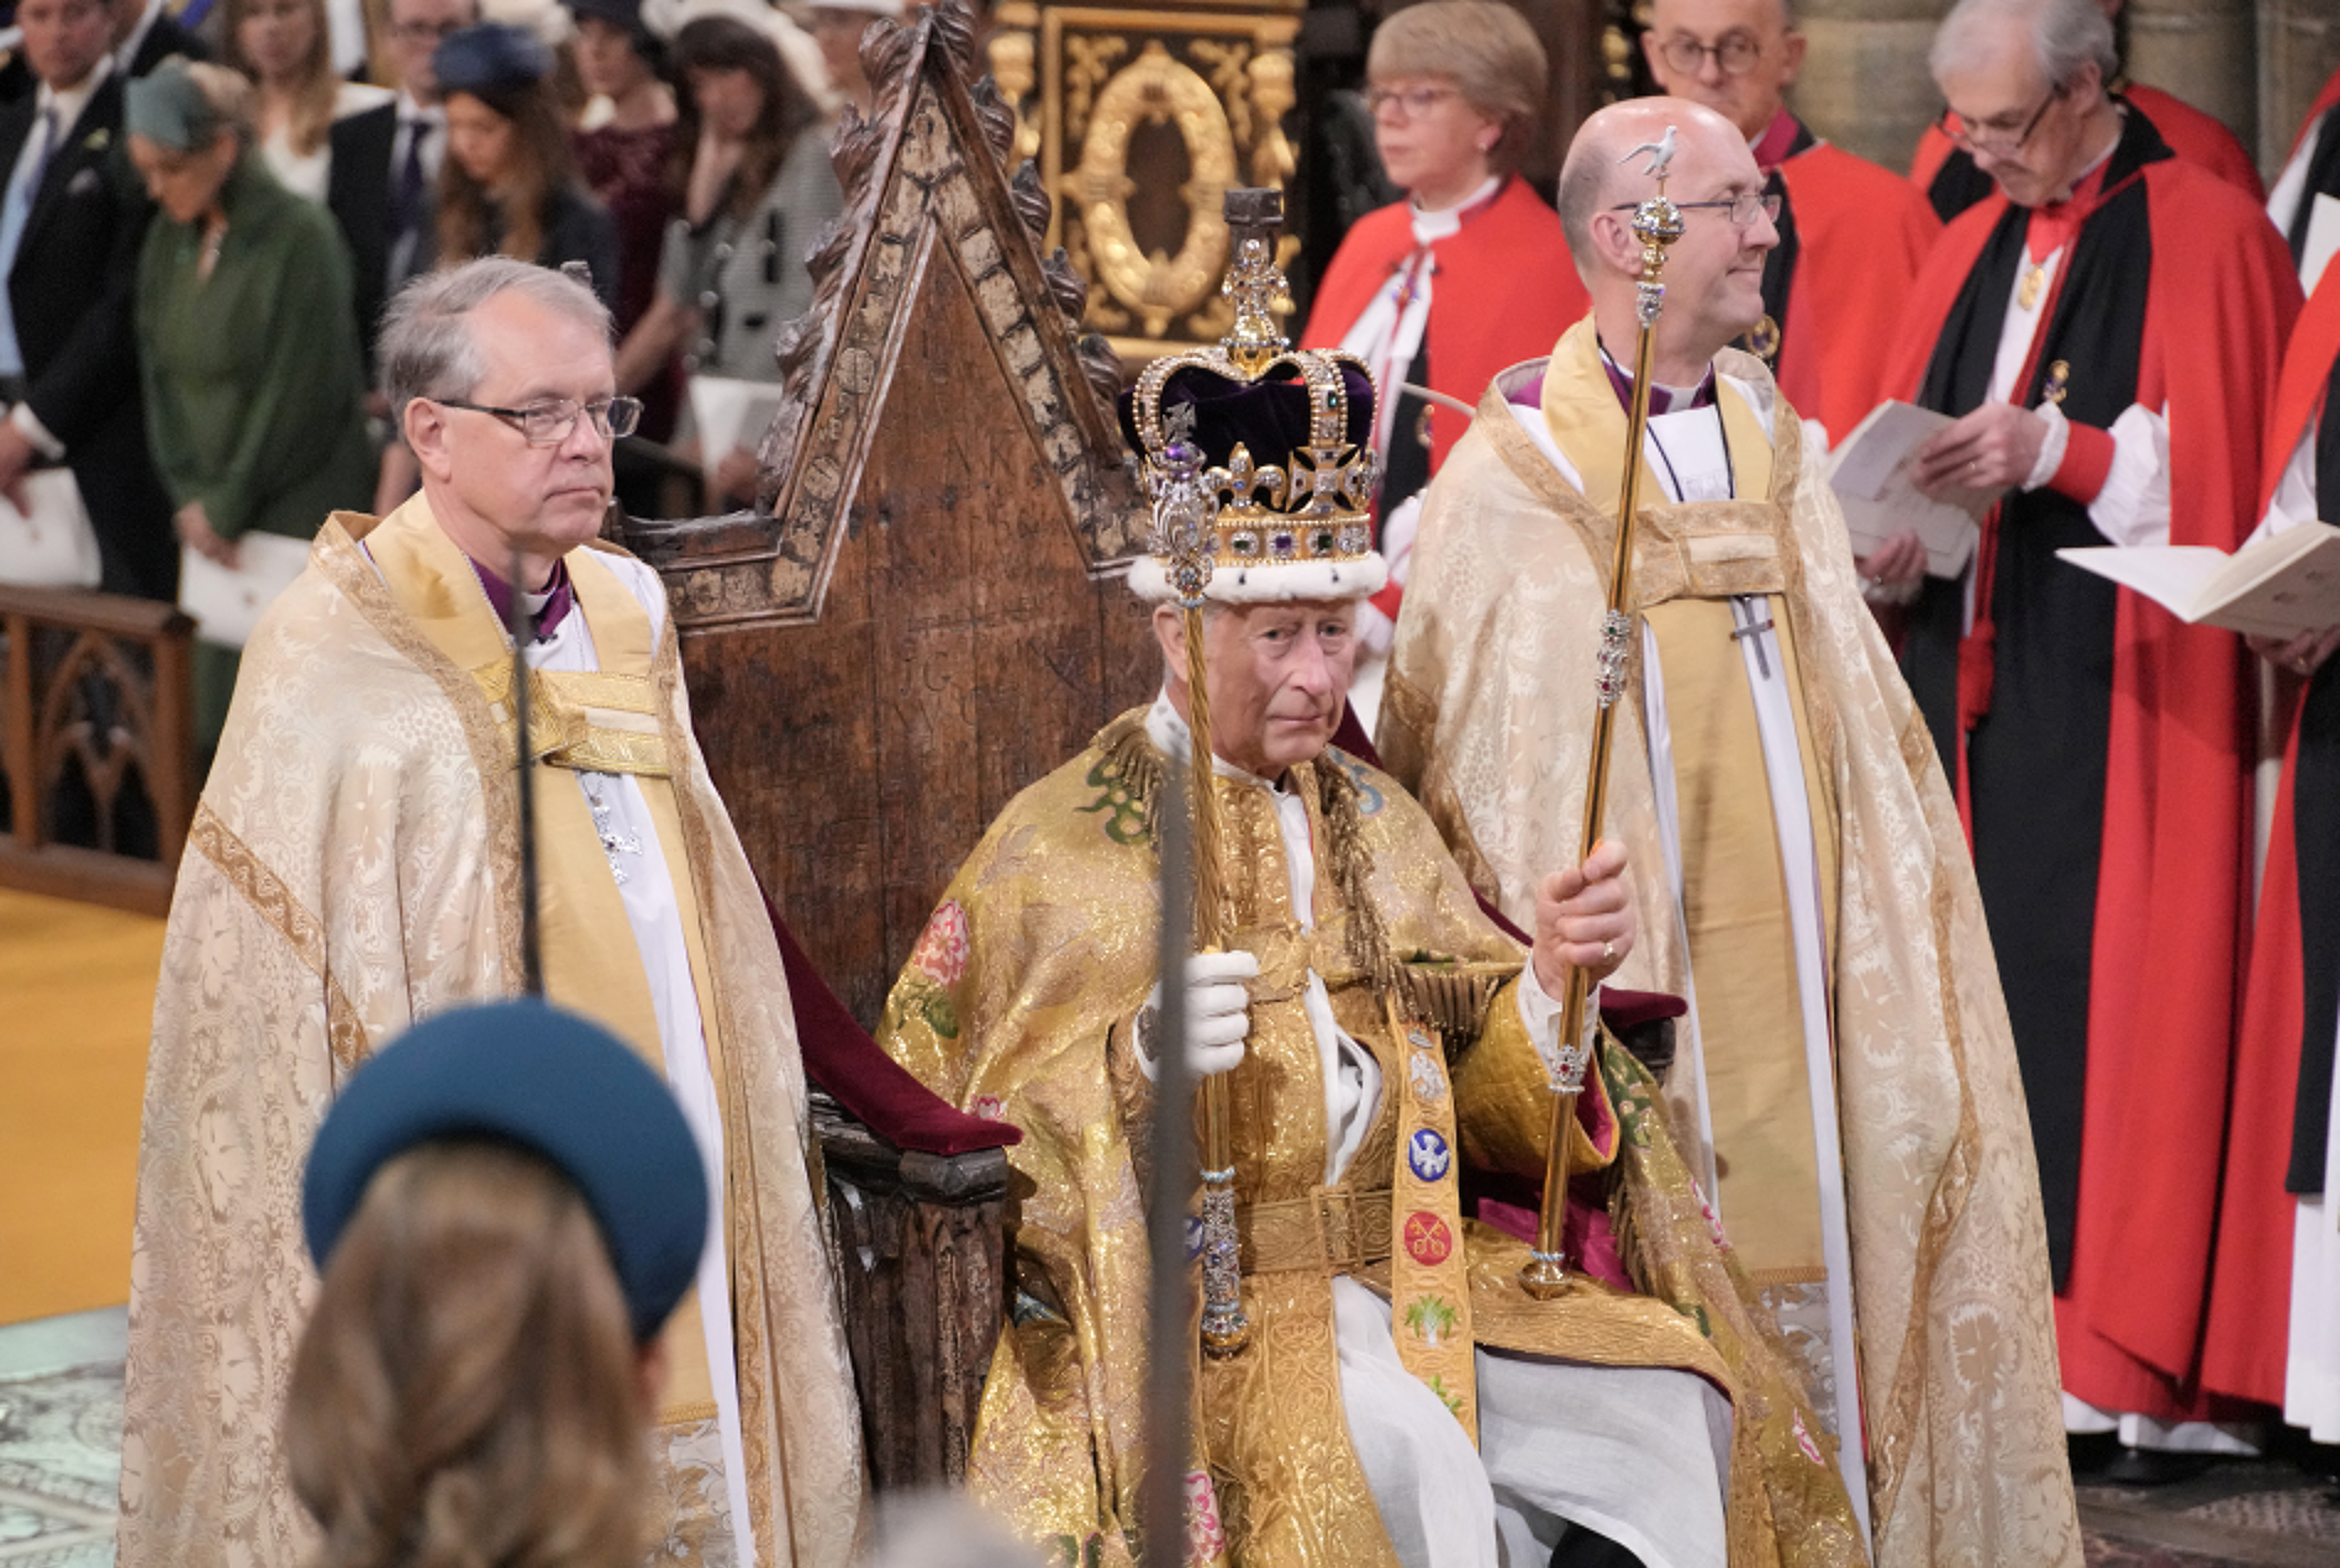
{"x":1657,"y":223}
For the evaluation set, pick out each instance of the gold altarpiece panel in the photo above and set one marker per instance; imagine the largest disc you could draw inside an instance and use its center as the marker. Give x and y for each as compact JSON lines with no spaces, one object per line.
{"x":1140,"y":118}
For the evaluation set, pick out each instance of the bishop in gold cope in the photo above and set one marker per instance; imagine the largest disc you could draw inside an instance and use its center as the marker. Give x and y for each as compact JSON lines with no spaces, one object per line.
{"x":1398,"y":1397}
{"x":1845,"y":1090}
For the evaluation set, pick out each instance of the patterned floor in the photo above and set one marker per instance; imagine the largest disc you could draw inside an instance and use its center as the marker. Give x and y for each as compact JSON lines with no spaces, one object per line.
{"x":60,"y":1440}
{"x":61,"y":1436}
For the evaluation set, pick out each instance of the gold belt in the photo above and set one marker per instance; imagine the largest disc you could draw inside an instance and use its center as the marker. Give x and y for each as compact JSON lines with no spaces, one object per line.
{"x":1334,"y":1229}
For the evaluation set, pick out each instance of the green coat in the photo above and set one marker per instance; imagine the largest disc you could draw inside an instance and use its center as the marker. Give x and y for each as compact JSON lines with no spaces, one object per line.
{"x":253,"y":379}
{"x":252,"y":382}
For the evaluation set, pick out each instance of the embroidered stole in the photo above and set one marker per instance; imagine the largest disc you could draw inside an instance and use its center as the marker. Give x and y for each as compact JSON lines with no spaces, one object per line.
{"x":603,"y":720}
{"x":1690,"y":560}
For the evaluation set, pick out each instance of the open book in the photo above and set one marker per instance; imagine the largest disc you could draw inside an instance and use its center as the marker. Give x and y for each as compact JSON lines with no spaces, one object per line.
{"x":2278,"y":585}
{"x":1871,"y":473}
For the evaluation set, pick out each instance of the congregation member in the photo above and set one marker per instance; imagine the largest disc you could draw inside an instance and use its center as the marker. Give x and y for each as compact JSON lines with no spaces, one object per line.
{"x":247,"y":352}
{"x":284,"y":46}
{"x":1464,"y":275}
{"x":504,"y":1211}
{"x":754,"y":185}
{"x":2313,"y":171}
{"x":384,"y":162}
{"x":509,"y":184}
{"x":1946,"y":169}
{"x":146,"y":32}
{"x":70,"y":229}
{"x":1467,"y":273}
{"x":355,"y":867}
{"x":1845,"y":1087}
{"x":1388,"y":1329}
{"x":2104,"y":330}
{"x":2291,"y":1021}
{"x":625,"y":148}
{"x":836,"y":28}
{"x":1852,"y":235}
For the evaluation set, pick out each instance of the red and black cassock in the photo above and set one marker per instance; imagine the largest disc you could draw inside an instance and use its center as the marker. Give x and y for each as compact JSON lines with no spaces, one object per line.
{"x":2291,"y":1015}
{"x":1852,"y":236}
{"x":2100,"y":745}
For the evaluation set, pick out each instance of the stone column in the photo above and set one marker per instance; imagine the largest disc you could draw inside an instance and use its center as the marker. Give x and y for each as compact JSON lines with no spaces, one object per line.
{"x":2205,"y":52}
{"x":2299,"y":48}
{"x":1864,"y":84}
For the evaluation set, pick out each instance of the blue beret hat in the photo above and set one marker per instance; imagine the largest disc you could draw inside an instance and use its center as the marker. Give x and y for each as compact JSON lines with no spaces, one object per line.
{"x":489,"y":58}
{"x":551,"y":1082}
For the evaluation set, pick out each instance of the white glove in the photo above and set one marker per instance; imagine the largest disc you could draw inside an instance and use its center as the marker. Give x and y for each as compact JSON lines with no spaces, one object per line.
{"x":1218,"y":1014}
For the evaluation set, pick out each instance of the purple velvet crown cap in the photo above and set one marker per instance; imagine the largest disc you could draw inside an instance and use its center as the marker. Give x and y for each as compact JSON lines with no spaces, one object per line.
{"x":1268,"y":418}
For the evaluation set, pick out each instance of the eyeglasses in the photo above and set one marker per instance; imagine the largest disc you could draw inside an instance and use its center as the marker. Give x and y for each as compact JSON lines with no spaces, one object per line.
{"x":1743,"y":207}
{"x":1996,"y":139}
{"x":1736,"y":54}
{"x":426,"y":32}
{"x":551,"y":423}
{"x":1412,"y":102}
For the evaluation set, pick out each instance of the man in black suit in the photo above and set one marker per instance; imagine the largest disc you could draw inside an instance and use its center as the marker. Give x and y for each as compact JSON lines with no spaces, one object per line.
{"x":144,"y":36}
{"x":386,"y":161}
{"x":71,"y":216}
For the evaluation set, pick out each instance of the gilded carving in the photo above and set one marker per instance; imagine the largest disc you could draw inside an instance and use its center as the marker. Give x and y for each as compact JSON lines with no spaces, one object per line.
{"x":1152,"y":89}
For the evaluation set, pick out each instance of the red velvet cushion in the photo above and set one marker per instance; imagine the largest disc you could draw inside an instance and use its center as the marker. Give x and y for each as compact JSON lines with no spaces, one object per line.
{"x":841,"y":1056}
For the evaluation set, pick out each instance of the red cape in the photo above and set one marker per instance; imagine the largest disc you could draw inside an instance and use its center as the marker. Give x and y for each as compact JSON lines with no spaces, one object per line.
{"x":2196,"y":137}
{"x":2172,"y":894}
{"x":2246,"y":1345}
{"x":1504,"y":291}
{"x":2323,"y":100}
{"x":1862,"y":234}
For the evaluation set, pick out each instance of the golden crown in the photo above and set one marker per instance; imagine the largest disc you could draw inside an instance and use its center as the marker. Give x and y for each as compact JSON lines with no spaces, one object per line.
{"x":1311,"y":503}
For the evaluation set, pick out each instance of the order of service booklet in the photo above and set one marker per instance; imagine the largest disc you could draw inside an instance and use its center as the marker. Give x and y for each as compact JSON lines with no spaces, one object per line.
{"x":2278,"y":585}
{"x":1872,"y":474}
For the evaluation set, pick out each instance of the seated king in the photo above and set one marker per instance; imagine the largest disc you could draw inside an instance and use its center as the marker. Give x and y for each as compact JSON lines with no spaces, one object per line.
{"x":1400,"y":1398}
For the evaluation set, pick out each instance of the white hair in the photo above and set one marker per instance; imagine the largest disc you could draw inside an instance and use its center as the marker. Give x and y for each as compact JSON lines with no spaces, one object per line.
{"x":2065,"y":34}
{"x":427,"y":349}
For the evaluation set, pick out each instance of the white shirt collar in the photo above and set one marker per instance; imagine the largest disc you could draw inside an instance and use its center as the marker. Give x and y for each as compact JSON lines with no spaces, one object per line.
{"x":71,"y":102}
{"x":1431,"y":227}
{"x":1168,"y":732}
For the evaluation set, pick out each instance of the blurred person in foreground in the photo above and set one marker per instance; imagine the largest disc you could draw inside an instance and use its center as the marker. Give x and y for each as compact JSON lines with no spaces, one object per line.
{"x":2104,"y":330}
{"x":505,"y":1209}
{"x":354,"y":866}
{"x":1467,"y":275}
{"x":1845,"y":1088}
{"x":1385,"y":1045}
{"x":247,"y":354}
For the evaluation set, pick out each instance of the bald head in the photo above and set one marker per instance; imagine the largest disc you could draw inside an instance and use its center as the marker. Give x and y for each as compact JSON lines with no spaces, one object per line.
{"x":1595,"y":177}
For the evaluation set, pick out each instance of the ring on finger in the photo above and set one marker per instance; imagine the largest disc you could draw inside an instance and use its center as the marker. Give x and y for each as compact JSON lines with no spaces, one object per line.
{"x":1609,"y":952}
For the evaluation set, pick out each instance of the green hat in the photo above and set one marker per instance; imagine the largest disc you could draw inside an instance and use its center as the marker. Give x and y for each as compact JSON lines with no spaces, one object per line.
{"x":168,"y":106}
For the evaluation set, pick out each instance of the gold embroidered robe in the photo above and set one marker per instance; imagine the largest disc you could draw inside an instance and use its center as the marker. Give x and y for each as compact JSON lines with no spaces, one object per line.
{"x":1487,"y":713}
{"x":1016,"y":1004}
{"x":353,"y":869}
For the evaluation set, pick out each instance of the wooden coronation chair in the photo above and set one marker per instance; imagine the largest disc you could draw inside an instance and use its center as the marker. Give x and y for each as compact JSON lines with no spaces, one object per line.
{"x":923,"y":615}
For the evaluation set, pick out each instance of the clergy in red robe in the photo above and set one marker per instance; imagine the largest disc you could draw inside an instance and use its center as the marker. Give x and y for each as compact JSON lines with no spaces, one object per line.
{"x":2106,"y":327}
{"x":1947,"y":175}
{"x":1468,"y":275}
{"x":2277,"y":1237}
{"x":2313,"y":172}
{"x":1852,"y":235}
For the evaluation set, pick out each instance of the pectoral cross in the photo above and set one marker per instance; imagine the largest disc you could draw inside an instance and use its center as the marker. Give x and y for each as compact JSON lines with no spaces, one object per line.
{"x":1742,"y":617}
{"x":613,"y":842}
